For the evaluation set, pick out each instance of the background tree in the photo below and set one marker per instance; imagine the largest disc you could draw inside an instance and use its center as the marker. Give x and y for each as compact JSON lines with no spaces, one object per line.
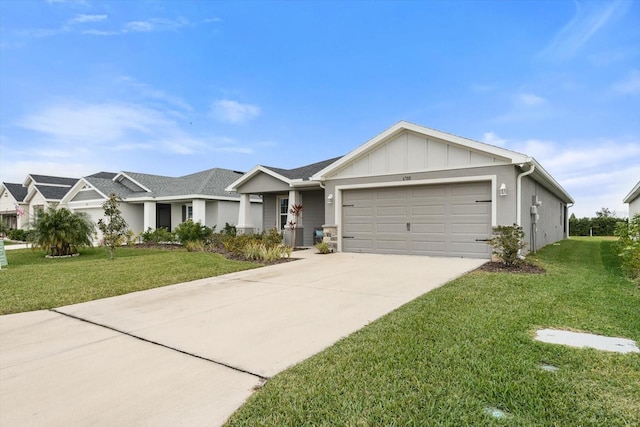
{"x":603,"y":224}
{"x":115,"y":227}
{"x":62,"y":232}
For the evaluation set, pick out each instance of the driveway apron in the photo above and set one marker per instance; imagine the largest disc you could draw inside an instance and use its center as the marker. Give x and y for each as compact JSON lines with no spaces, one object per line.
{"x":191,"y":354}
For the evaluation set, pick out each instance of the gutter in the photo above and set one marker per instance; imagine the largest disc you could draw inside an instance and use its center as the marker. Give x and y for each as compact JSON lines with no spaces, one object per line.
{"x":519,"y":191}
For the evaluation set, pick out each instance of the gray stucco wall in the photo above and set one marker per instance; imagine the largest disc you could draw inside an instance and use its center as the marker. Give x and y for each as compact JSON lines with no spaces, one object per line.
{"x":634,"y":207}
{"x":313,"y":214}
{"x":551,"y":222}
{"x":269,"y":211}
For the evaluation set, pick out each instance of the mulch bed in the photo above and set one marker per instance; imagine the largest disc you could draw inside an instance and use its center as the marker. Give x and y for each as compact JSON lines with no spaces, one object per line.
{"x":522,"y":267}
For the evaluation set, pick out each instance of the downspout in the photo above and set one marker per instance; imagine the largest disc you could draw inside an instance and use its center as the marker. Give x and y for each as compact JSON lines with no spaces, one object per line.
{"x":519,"y":193}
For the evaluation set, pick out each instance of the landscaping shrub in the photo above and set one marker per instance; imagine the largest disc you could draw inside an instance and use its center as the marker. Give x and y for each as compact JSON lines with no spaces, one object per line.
{"x":190,"y":231}
{"x":323,"y":247}
{"x":229,"y":230}
{"x":61,"y":232}
{"x":628,"y":246}
{"x":260,"y":251}
{"x":195,"y":246}
{"x":17,"y":234}
{"x":159,"y":235}
{"x":507,"y":243}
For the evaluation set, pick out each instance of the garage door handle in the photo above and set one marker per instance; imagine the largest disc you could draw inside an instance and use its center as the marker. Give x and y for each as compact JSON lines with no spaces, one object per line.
{"x":408,"y":226}
{"x":348,"y":237}
{"x":483,"y":240}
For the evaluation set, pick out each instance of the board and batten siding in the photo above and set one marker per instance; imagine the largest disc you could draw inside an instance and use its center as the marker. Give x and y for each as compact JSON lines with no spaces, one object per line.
{"x":411,"y":152}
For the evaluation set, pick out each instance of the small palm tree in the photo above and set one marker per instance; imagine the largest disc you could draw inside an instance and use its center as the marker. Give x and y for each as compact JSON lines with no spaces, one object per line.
{"x":61,"y":232}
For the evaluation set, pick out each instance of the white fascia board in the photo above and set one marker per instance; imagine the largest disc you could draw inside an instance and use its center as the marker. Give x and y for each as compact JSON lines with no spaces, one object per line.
{"x":124,"y":175}
{"x":253,"y":172}
{"x":633,"y":194}
{"x":301,"y":183}
{"x":514,"y":157}
{"x":27,"y":181}
{"x":184,"y":197}
{"x":32,"y":193}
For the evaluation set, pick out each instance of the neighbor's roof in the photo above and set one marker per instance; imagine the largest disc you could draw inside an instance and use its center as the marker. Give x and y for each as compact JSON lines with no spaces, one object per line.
{"x":50,"y":192}
{"x":129,"y":186}
{"x":18,"y":191}
{"x":51,"y":180}
{"x":633,"y":194}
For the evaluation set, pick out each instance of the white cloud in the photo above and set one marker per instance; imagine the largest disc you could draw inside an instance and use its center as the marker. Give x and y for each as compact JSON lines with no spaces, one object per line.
{"x":95,"y":123}
{"x":148,"y":92}
{"x":588,"y":20}
{"x":81,"y":19}
{"x":139,"y":26}
{"x":234,"y":112}
{"x":525,"y":106}
{"x":493,"y":139}
{"x":530,"y":100}
{"x":630,"y":85}
{"x":597,"y":173}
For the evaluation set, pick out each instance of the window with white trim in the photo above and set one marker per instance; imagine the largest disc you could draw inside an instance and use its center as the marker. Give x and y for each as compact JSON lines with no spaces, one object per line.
{"x":282,"y":213}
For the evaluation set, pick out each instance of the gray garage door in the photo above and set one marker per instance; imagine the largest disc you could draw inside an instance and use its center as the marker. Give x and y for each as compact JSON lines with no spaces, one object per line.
{"x":437,"y":220}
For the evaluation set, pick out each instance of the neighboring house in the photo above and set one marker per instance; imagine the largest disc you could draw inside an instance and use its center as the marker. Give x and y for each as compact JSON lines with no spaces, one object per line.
{"x":414,"y":190}
{"x":22,"y":203}
{"x":633,"y":199}
{"x":12,"y":207}
{"x":154,"y":201}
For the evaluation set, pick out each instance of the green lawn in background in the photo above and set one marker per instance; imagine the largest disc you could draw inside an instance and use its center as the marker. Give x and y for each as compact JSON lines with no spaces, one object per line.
{"x":465,"y":349}
{"x":33,"y":282}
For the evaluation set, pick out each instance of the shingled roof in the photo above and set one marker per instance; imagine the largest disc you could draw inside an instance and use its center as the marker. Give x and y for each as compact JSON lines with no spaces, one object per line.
{"x":132,"y":185}
{"x":303,"y":172}
{"x":54,"y":180}
{"x":17,"y":190}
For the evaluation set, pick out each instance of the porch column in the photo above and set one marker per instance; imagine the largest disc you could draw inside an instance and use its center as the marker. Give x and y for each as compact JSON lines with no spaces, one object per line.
{"x":149,"y":216}
{"x":295,"y":198}
{"x":245,"y":225}
{"x":199,"y":211}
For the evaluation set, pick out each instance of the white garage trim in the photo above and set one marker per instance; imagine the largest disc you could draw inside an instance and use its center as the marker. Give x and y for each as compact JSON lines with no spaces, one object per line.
{"x":340,"y":188}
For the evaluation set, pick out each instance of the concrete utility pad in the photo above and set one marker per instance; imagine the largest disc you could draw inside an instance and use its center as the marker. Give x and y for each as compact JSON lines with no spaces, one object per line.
{"x":581,"y":339}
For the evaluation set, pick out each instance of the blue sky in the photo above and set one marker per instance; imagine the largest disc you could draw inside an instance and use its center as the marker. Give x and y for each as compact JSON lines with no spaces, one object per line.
{"x":176,"y":87}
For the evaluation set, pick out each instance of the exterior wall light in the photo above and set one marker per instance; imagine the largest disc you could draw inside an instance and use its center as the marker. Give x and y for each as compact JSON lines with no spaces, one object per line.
{"x":503,"y":189}
{"x":330,"y":199}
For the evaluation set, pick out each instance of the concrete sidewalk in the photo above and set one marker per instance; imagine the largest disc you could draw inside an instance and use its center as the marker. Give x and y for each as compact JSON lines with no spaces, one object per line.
{"x":190,"y":354}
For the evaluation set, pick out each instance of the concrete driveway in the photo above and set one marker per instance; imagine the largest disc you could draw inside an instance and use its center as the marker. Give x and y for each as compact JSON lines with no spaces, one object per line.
{"x":191,"y":354}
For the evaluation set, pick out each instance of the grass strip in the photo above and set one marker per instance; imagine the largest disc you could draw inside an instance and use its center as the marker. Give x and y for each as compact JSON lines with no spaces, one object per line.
{"x":33,"y":282}
{"x":459,"y":353}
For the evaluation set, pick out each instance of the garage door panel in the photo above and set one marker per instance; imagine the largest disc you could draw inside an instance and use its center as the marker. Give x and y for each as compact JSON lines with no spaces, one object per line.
{"x":445,"y":220}
{"x":478,"y":229}
{"x":391,"y":228}
{"x":420,"y":209}
{"x":389,"y":194}
{"x":432,"y":191}
{"x":393,"y":211}
{"x":358,"y":228}
{"x":350,"y":245}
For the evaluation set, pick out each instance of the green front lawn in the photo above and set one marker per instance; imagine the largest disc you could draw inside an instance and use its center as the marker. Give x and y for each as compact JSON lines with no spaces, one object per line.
{"x":452,"y":355}
{"x":33,"y":282}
